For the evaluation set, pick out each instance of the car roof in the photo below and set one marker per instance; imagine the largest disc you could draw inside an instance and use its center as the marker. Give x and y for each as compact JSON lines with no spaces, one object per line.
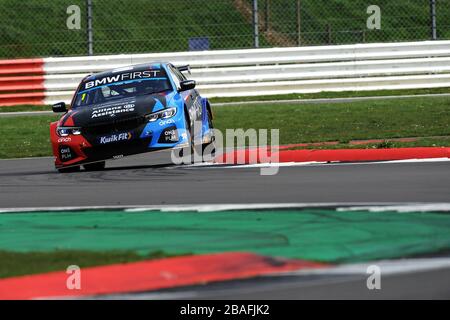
{"x":132,"y":68}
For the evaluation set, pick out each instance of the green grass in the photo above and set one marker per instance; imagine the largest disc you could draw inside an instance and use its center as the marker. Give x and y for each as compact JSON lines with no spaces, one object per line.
{"x":318,"y":95}
{"x":409,"y":117}
{"x":382,"y":119}
{"x":19,"y":263}
{"x":25,"y":136}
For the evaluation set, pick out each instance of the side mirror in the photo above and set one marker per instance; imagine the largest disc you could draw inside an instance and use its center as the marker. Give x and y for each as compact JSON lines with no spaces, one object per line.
{"x":59,"y":107}
{"x":187,"y":85}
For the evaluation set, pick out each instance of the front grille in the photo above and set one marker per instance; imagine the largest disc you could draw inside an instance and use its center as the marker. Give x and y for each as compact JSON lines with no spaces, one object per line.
{"x":120,"y":125}
{"x":121,"y":148}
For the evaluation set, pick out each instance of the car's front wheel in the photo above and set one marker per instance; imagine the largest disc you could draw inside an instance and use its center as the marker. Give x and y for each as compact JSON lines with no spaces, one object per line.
{"x":209,"y":148}
{"x":188,"y":151}
{"x":96,"y":166}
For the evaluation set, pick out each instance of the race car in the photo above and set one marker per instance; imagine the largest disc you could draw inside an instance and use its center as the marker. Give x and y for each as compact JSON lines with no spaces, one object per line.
{"x":127,"y":111}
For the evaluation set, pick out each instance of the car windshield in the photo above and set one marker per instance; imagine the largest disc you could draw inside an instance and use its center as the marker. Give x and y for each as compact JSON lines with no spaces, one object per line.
{"x":119,"y":86}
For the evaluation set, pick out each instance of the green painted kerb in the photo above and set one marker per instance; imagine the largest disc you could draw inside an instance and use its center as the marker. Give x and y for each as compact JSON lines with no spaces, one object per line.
{"x":320,"y":235}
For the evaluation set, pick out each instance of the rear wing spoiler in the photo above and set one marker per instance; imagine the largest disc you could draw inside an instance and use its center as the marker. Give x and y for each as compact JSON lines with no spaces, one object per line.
{"x":184,"y":68}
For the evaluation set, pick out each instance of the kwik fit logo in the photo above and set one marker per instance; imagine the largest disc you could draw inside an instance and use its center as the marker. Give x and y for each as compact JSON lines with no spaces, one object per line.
{"x":116,"y":138}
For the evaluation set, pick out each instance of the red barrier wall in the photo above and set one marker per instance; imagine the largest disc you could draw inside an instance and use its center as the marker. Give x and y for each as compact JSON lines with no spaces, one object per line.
{"x":21,"y":82}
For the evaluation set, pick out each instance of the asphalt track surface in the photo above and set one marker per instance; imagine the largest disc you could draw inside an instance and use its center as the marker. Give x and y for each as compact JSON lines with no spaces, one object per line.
{"x":151,"y":179}
{"x":433,"y":284}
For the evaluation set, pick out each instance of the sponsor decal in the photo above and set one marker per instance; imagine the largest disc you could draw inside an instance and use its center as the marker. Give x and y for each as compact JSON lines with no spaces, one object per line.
{"x":124,"y":136}
{"x":112,"y":111}
{"x":122,"y":77}
{"x":65,"y":153}
{"x":166,"y":122}
{"x":169,"y":135}
{"x":170,"y":132}
{"x":68,"y":139}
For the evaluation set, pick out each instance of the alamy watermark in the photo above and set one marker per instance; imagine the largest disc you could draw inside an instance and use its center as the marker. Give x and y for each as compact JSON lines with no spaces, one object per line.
{"x":73,"y":281}
{"x":73,"y":21}
{"x":235,"y":146}
{"x":374,"y":20}
{"x":374,"y":280}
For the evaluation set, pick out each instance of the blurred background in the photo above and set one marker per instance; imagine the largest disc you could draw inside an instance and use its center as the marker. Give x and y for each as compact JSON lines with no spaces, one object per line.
{"x":38,"y":27}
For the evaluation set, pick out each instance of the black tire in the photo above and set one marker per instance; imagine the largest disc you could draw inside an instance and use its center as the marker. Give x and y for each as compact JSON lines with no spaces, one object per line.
{"x":190,"y":148}
{"x":69,"y":169}
{"x":96,"y":166}
{"x":212,"y":142}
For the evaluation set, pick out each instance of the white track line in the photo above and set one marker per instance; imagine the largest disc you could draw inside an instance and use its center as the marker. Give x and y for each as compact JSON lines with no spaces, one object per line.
{"x":26,"y":113}
{"x":339,"y":206}
{"x":310,"y":163}
{"x":387,"y":267}
{"x":441,"y":207}
{"x":185,"y":207}
{"x":227,"y":207}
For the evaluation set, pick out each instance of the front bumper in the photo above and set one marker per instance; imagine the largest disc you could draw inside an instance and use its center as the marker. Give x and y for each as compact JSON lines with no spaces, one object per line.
{"x":96,"y":146}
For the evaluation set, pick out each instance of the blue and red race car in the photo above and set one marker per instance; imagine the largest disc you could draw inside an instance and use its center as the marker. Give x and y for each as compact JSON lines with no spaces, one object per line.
{"x":128,"y":111}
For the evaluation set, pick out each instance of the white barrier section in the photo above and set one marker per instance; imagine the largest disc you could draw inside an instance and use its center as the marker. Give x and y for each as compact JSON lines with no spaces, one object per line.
{"x":254,"y":72}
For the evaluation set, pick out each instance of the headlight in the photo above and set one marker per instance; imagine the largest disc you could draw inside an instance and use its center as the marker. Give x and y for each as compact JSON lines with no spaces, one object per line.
{"x":168,"y":113}
{"x":65,"y":131}
{"x":152,"y":117}
{"x":163,"y":114}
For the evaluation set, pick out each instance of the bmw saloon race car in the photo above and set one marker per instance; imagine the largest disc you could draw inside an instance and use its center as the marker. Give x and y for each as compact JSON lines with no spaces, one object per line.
{"x":127,"y":111}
